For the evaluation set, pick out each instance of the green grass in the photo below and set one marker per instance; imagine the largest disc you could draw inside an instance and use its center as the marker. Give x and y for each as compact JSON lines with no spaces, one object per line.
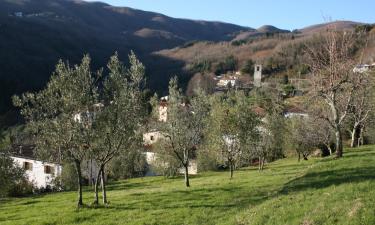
{"x":319,"y":191}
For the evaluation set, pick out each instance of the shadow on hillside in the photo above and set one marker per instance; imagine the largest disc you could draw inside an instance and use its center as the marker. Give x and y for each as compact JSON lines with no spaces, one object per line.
{"x":230,"y":198}
{"x":317,"y":180}
{"x":144,"y":183}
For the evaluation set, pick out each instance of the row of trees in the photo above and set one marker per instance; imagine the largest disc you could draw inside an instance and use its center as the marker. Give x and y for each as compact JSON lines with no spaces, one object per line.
{"x":224,"y":128}
{"x":83,"y":115}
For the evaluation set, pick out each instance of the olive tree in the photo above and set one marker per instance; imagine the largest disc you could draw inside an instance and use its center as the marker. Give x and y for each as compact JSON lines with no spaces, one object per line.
{"x":117,"y":122}
{"x":59,"y":115}
{"x":184,"y":127}
{"x":233,"y":127}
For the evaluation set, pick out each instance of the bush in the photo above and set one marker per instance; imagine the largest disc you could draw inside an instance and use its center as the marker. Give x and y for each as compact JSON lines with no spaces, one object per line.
{"x":129,"y":165}
{"x":206,"y":161}
{"x":199,"y":67}
{"x":238,"y":42}
{"x":288,"y":89}
{"x":22,"y":188}
{"x":229,"y":64}
{"x":13,"y":179}
{"x":248,"y":67}
{"x":68,"y":179}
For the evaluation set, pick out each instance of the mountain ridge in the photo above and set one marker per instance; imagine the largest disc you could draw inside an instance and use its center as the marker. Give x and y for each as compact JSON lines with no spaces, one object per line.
{"x":35,"y":34}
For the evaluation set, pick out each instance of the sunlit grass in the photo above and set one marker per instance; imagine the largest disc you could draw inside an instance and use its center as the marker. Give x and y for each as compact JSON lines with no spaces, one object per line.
{"x":319,"y":191}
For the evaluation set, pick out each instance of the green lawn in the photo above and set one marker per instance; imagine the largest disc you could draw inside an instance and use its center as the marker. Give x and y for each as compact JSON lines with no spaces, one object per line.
{"x":319,"y":191}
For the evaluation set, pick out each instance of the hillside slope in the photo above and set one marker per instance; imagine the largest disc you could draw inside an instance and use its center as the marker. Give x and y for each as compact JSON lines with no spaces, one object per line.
{"x":318,"y":191}
{"x":34,"y":34}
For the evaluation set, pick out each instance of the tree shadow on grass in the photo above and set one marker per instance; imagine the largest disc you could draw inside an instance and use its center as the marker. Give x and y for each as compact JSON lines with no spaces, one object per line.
{"x":233,"y":198}
{"x":317,"y":180}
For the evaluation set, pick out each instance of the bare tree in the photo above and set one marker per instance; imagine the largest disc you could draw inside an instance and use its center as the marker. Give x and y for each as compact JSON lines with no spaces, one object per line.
{"x":361,"y":106}
{"x":332,"y":65}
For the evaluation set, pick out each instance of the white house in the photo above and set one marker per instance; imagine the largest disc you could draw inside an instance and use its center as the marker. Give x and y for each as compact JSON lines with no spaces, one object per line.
{"x":153,"y":136}
{"x":163,"y":109}
{"x":224,"y":81}
{"x":40,"y":173}
{"x":363,"y":68}
{"x":293,"y":112}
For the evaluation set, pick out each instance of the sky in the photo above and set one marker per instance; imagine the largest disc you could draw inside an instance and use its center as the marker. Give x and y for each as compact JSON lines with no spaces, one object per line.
{"x":286,"y":14}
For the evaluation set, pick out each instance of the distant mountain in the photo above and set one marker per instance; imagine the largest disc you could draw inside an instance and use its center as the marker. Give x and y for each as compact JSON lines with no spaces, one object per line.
{"x":340,"y":25}
{"x":271,"y":29}
{"x":34,"y":34}
{"x":261,"y":31}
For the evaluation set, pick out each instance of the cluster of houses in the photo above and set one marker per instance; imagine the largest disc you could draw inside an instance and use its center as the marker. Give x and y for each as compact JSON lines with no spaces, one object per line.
{"x":151,"y":137}
{"x":237,"y":81}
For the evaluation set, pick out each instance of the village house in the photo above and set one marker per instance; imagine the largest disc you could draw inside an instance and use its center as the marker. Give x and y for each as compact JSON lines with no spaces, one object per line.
{"x":163,"y":106}
{"x":227,"y":80}
{"x":38,"y":172}
{"x":362,"y":68}
{"x":151,"y":137}
{"x":294,"y":111}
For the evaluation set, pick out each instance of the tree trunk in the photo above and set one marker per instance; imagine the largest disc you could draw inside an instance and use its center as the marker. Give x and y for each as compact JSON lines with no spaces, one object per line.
{"x":96,"y":189}
{"x":339,"y":146}
{"x":329,"y":148}
{"x":187,"y":183}
{"x":262,"y":163}
{"x":299,"y":156}
{"x":354,"y":135}
{"x":231,"y":169}
{"x":79,"y":175}
{"x":104,"y":190}
{"x":360,"y":139}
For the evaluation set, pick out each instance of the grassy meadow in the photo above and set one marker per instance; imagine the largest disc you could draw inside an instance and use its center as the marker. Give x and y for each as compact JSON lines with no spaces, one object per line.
{"x":317,"y":191}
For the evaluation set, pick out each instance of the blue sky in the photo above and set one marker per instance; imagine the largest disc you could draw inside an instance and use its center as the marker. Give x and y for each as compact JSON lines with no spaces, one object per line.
{"x":287,"y":14}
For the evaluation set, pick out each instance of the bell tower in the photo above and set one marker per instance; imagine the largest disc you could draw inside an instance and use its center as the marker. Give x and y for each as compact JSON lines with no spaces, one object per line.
{"x":258,"y":75}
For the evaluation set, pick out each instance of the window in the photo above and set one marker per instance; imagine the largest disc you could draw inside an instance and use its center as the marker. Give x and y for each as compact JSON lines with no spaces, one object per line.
{"x":48,"y":169}
{"x":151,"y":138}
{"x":258,"y":68}
{"x":28,"y":166}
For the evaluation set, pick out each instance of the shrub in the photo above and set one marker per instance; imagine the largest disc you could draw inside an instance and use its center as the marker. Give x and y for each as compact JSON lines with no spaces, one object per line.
{"x":288,"y":89}
{"x":13,"y":179}
{"x":68,"y":179}
{"x":132,"y":164}
{"x":248,"y":67}
{"x":206,"y":161}
{"x":22,"y":188}
{"x":229,"y":64}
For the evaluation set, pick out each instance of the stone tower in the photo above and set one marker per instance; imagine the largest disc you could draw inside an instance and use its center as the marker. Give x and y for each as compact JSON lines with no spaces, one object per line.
{"x":258,"y":75}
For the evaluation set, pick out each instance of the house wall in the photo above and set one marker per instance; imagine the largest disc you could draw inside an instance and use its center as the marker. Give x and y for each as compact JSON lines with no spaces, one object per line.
{"x":37,"y":174}
{"x":163,"y":113}
{"x":293,"y":115}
